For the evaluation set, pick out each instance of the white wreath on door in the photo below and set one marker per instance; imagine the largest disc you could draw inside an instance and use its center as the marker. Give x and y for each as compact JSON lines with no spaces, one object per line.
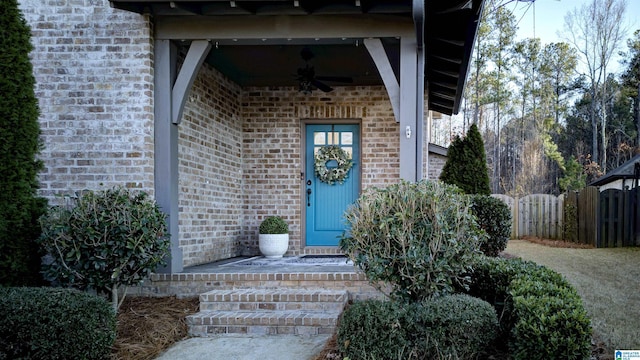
{"x":332,"y":175}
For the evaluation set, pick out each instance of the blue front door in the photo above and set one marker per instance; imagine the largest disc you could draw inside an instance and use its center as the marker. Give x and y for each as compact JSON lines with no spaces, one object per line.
{"x":326,"y":204}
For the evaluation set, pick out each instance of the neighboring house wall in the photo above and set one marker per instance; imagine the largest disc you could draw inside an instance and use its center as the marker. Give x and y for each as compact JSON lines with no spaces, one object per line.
{"x":94,"y":83}
{"x":618,"y":185}
{"x":436,"y":164}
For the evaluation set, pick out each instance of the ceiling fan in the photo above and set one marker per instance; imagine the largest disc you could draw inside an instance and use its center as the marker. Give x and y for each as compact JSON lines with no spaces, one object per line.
{"x":308,"y":79}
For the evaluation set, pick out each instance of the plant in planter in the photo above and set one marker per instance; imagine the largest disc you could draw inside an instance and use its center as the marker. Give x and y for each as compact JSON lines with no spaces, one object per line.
{"x":274,"y":237}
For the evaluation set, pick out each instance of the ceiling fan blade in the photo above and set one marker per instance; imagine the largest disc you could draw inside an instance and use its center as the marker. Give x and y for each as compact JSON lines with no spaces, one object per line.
{"x":321,"y":86}
{"x":342,"y":79}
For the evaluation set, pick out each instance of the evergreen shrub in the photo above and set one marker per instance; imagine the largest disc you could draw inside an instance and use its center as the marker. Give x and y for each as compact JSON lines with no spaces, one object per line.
{"x":541,"y":315}
{"x":418,"y":239}
{"x":20,"y":207}
{"x":549,"y":318}
{"x":54,"y":323}
{"x":447,"y":327}
{"x":466,"y":165}
{"x":550,"y":323}
{"x":273,"y":225}
{"x":105,"y":240}
{"x":494,"y":217}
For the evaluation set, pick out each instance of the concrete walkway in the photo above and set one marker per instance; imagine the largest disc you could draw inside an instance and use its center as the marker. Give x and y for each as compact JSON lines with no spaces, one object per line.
{"x":247,"y":347}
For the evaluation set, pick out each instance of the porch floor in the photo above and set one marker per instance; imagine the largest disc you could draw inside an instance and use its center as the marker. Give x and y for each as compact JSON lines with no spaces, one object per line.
{"x":285,"y":265}
{"x":302,"y":272}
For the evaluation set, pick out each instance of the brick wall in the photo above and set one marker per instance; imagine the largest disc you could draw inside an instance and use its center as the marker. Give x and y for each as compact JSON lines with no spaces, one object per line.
{"x":210,"y":171}
{"x":239,"y":149}
{"x":436,"y":163}
{"x":92,"y":66}
{"x":272,"y":148}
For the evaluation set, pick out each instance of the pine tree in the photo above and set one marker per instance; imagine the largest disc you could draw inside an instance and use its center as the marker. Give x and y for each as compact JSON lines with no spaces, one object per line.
{"x":466,"y":165}
{"x":451,"y":169}
{"x":20,"y":208}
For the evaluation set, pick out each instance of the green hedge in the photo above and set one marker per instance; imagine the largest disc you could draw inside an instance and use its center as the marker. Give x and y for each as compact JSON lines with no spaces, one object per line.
{"x":447,"y":327}
{"x":494,"y":217}
{"x":550,"y":321}
{"x":540,"y":313}
{"x":53,"y":323}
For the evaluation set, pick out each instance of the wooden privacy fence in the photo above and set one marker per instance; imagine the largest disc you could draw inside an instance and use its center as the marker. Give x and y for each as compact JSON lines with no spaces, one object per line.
{"x":619,"y":218}
{"x":607,"y":219}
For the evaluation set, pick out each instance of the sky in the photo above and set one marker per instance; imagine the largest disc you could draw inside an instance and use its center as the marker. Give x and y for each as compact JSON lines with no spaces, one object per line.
{"x":549,"y":19}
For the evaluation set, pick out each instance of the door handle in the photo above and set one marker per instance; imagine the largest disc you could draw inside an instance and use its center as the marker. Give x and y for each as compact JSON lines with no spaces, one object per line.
{"x":308,"y":196}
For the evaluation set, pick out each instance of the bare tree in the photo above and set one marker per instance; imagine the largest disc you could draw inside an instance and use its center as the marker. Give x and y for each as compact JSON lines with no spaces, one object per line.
{"x":596,"y":29}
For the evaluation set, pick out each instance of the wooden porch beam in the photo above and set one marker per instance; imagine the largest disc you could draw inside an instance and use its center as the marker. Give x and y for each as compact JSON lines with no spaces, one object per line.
{"x":380,"y":58}
{"x":408,"y":106}
{"x":280,"y":27}
{"x":198,"y":51}
{"x":166,"y":147}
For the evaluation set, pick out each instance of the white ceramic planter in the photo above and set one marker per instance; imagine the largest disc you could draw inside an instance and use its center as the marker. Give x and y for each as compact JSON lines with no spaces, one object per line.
{"x":273,"y":246}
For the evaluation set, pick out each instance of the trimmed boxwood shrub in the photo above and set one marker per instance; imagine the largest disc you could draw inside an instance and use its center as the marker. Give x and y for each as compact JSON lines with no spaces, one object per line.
{"x":550,"y":321}
{"x":273,"y":225}
{"x":54,"y":323}
{"x":372,"y":329}
{"x":541,"y":315}
{"x":494,"y":217}
{"x":447,"y":327}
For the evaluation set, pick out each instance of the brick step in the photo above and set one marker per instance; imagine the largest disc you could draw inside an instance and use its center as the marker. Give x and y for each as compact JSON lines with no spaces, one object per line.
{"x":274,"y":299}
{"x":194,"y":284}
{"x":276,"y":322}
{"x":268,"y":311}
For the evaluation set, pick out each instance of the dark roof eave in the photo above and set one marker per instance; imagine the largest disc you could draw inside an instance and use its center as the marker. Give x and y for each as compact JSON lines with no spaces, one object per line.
{"x":457,"y":55}
{"x":622,"y":172}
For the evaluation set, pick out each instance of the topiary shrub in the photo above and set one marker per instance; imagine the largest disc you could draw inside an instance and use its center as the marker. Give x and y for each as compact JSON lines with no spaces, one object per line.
{"x":447,"y":327}
{"x":273,"y":225}
{"x":418,"y":238}
{"x":494,"y":217}
{"x":106,"y":240}
{"x":53,"y":323}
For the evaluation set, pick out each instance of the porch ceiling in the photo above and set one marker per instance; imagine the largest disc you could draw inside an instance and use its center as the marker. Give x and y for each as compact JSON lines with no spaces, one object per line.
{"x":450,"y":28}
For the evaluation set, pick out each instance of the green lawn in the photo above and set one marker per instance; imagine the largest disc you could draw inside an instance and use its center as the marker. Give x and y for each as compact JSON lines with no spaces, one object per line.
{"x":608,"y":280}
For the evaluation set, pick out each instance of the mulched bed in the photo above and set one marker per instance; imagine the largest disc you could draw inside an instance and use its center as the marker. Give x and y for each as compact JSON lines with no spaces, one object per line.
{"x":149,"y":326}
